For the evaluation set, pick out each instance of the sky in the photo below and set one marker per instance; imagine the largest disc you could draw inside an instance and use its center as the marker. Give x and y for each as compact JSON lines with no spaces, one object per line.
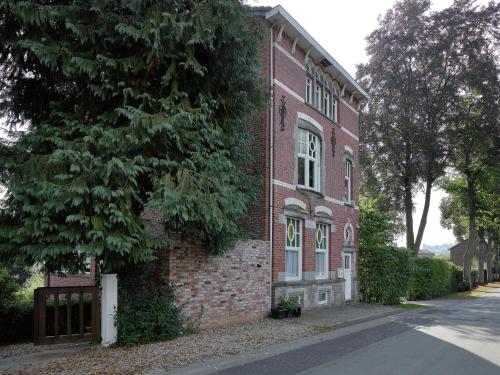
{"x":341,"y":28}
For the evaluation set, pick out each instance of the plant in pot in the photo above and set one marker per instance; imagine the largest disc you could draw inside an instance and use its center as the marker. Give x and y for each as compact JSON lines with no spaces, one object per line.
{"x":290,"y":307}
{"x":281,"y":311}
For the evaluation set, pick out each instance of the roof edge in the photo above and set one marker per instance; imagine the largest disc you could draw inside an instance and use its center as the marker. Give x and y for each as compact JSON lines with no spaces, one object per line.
{"x":280,"y":10}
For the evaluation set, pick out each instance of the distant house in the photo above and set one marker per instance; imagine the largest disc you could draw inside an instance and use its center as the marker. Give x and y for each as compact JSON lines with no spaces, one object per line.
{"x":423,"y":253}
{"x":463,"y":257}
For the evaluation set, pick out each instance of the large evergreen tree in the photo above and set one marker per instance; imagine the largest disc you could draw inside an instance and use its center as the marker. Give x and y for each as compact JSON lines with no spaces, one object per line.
{"x":115,"y":106}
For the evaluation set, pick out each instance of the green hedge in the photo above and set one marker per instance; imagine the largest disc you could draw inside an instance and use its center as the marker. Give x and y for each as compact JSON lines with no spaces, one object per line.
{"x":385,"y":274}
{"x":146,"y":315}
{"x":432,"y":278}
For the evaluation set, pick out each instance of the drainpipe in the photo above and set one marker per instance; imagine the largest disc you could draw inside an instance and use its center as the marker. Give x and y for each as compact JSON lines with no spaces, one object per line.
{"x":271,"y":155}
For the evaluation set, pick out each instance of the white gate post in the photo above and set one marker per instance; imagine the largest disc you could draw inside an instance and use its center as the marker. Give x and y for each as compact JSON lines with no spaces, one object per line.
{"x":109,"y":303}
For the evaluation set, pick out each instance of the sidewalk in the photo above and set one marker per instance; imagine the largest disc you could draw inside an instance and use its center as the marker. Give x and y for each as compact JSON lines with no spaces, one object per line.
{"x":349,"y":314}
{"x":222,"y":344}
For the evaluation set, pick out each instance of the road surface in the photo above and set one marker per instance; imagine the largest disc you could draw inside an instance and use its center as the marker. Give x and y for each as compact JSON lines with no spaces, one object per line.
{"x":450,"y":337}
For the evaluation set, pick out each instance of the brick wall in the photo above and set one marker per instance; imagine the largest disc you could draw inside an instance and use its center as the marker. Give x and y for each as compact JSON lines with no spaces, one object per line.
{"x":219,"y":290}
{"x":58,"y":279}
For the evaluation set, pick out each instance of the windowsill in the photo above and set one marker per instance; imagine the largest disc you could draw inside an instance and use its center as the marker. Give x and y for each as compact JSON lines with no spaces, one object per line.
{"x":287,"y":279}
{"x":305,"y":189}
{"x":322,"y":302}
{"x":323,"y":277}
{"x":321,"y":113}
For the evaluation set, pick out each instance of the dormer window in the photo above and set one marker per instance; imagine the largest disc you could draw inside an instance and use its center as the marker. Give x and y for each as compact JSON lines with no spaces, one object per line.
{"x":308,"y":160}
{"x":321,"y":91}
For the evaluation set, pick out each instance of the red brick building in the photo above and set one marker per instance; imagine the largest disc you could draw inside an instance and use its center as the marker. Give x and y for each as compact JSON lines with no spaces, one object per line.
{"x":304,"y":225}
{"x":311,"y":150}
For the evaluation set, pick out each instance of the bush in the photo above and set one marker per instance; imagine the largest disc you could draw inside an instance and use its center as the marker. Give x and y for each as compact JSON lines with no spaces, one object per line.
{"x":384,"y":274}
{"x":8,"y":289}
{"x":16,"y":324}
{"x":146,"y":315}
{"x":432,"y":278}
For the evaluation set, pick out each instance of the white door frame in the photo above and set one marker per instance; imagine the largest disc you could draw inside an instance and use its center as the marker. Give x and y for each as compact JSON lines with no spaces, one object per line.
{"x":347,"y":275}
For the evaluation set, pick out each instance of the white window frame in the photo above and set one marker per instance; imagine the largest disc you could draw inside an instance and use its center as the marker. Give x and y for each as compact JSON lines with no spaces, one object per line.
{"x":348,"y":169}
{"x":327,"y":95}
{"x":309,"y":89}
{"x":306,"y":152}
{"x":294,"y":246}
{"x":322,"y":248}
{"x":334,"y":115}
{"x":325,"y":301}
{"x":318,"y":95}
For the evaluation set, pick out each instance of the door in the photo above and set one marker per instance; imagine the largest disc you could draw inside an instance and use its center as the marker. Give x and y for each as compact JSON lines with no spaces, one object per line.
{"x":348,"y":276}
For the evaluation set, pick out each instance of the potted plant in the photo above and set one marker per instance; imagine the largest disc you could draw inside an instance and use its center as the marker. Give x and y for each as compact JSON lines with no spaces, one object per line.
{"x":287,"y":308}
{"x":280,"y":312}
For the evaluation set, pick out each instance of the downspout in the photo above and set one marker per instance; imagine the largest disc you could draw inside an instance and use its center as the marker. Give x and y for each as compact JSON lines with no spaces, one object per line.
{"x":271,"y":155}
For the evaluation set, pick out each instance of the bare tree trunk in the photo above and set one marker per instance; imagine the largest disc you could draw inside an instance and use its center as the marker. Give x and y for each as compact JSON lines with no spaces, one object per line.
{"x":409,"y":215}
{"x":423,"y":219}
{"x":471,"y":248}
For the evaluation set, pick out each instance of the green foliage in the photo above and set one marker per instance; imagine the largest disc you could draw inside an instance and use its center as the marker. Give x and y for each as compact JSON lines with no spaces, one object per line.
{"x":126,"y":105}
{"x":8,"y":289}
{"x":420,"y":64}
{"x":377,"y":227}
{"x":385,"y":274}
{"x":16,"y":303}
{"x":146,"y":315}
{"x":289,"y":303}
{"x":432,"y":278}
{"x":16,"y":323}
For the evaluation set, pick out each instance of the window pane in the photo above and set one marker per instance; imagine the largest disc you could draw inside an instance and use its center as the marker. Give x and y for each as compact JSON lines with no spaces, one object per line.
{"x":320,"y":263}
{"x":301,"y":171}
{"x":292,"y":263}
{"x":311,"y":174}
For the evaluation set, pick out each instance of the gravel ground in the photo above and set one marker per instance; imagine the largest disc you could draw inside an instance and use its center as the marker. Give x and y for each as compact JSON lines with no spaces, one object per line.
{"x":181,"y":352}
{"x":28,"y":348}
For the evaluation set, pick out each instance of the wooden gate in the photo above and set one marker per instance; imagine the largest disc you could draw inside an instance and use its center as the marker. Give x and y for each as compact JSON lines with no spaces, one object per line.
{"x":66,"y":314}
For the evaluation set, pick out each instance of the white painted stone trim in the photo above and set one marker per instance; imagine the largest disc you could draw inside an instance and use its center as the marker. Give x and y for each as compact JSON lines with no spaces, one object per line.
{"x":287,"y":54}
{"x":284,"y":184}
{"x":289,"y":90}
{"x":336,"y":201}
{"x":350,"y":133}
{"x":295,"y":202}
{"x":350,"y":106}
{"x":348,"y":149}
{"x":322,"y":209}
{"x":306,"y":117}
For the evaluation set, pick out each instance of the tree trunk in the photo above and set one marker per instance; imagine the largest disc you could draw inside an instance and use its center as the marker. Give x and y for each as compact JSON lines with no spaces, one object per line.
{"x":409,"y":215}
{"x":423,"y":219}
{"x":471,"y":198}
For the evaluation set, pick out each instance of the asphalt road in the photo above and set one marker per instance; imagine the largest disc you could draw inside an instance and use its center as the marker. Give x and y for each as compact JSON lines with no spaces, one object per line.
{"x":450,"y":337}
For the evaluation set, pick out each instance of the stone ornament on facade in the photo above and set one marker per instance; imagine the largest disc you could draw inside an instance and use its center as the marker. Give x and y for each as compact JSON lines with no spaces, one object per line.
{"x":333,"y":140}
{"x":282,"y":112}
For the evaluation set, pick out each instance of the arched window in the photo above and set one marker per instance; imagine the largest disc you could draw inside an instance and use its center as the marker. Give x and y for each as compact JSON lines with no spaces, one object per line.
{"x":308,"y":159}
{"x":348,"y":234}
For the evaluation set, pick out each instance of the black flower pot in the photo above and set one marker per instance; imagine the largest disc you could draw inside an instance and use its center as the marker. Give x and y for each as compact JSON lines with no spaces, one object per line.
{"x":279,"y":313}
{"x":297,"y":312}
